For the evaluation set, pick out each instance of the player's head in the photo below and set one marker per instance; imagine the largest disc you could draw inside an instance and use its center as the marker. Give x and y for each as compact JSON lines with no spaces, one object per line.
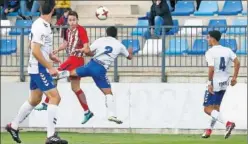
{"x":112,"y":31}
{"x":213,"y":37}
{"x":66,"y":12}
{"x":72,"y":18}
{"x":47,"y":8}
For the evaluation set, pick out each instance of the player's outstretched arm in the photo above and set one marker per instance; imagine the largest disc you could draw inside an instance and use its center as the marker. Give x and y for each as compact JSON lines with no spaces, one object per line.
{"x":61,"y":47}
{"x":236,"y":71}
{"x":130,"y":51}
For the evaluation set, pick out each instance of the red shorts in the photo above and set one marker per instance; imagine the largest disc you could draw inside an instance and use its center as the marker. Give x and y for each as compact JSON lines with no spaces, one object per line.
{"x":72,"y":63}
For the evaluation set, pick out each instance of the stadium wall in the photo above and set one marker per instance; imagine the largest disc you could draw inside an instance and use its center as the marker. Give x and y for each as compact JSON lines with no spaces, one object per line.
{"x":139,"y":105}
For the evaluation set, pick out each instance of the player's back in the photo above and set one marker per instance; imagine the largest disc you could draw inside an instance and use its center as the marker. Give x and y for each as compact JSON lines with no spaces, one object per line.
{"x":41,"y":33}
{"x":107,"y":49}
{"x":222,"y":58}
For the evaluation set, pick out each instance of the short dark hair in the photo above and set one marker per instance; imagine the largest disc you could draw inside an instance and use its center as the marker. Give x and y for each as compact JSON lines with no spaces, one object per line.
{"x":73,"y":13}
{"x":215,"y":34}
{"x":47,"y":7}
{"x":112,"y":31}
{"x":67,"y":10}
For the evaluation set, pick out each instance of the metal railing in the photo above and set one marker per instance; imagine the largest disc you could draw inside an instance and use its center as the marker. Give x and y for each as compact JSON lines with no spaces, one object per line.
{"x":156,"y":52}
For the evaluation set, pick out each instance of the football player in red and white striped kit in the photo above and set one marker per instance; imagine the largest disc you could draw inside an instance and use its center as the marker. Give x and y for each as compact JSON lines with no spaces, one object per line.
{"x":76,"y":38}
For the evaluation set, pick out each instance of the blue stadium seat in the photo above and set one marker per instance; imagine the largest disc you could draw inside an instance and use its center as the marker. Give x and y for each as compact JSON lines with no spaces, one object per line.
{"x":12,"y":14}
{"x":231,"y":7}
{"x":207,"y":8}
{"x":30,"y":14}
{"x":244,"y":12}
{"x":177,"y":47}
{"x":184,"y":8}
{"x":22,"y":23}
{"x":216,"y":24}
{"x":134,"y":43}
{"x":175,"y":28}
{"x":200,"y":46}
{"x":244,"y":48}
{"x":241,"y":29}
{"x":230,"y":43}
{"x":8,"y":46}
{"x":140,"y":31}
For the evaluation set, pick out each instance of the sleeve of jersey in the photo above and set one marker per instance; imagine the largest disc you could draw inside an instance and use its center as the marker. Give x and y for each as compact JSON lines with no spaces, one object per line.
{"x":209,"y":58}
{"x":37,"y":36}
{"x":83,"y":35}
{"x":94,"y":45}
{"x":124,"y":51}
{"x":232,"y":55}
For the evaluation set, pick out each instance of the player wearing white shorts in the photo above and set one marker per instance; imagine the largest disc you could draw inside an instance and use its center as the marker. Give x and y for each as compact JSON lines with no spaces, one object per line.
{"x":219,"y":60}
{"x":41,"y":72}
{"x":104,"y":51}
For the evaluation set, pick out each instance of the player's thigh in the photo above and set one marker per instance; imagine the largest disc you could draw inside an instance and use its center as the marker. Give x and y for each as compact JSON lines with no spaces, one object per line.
{"x":35,"y":97}
{"x":103,"y":84}
{"x":82,"y":71}
{"x":209,"y":99}
{"x":218,"y":98}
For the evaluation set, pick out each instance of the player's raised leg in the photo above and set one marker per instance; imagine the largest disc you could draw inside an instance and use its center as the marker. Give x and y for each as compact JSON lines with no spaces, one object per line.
{"x":23,"y":113}
{"x":75,"y":86}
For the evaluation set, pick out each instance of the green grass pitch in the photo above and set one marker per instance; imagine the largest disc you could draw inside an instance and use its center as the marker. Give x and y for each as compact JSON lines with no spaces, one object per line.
{"x":81,"y":138}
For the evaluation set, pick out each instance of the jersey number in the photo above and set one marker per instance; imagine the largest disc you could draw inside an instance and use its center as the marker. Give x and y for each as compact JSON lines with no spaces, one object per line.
{"x":222,"y":64}
{"x":108,"y":49}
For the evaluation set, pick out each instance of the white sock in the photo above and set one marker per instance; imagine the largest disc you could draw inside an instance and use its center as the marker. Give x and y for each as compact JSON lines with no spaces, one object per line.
{"x":110,"y":104}
{"x":52,"y":119}
{"x":217,"y":116}
{"x":212,"y":123}
{"x":23,"y":113}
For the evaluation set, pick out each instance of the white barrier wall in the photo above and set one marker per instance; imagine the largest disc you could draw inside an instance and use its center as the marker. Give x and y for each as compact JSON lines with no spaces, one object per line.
{"x":139,"y":105}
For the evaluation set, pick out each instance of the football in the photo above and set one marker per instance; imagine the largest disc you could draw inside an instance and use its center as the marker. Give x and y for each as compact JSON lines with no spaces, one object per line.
{"x":102,"y":13}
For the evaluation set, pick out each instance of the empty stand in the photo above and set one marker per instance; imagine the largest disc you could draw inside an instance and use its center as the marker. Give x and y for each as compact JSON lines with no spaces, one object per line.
{"x":8,"y":46}
{"x":184,"y":8}
{"x":132,"y":43}
{"x":5,"y":31}
{"x":230,"y":43}
{"x":207,"y":8}
{"x":231,"y":7}
{"x":216,"y":24}
{"x":177,"y":46}
{"x":190,"y":28}
{"x":21,"y":23}
{"x":240,"y":29}
{"x":244,"y":48}
{"x":200,"y":46}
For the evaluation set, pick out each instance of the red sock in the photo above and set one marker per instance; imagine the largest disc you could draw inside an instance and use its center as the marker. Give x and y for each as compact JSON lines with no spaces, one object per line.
{"x":47,"y":100}
{"x":82,"y":100}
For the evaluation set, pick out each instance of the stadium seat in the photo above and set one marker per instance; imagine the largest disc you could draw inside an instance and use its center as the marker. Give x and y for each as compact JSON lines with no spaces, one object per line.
{"x":207,"y":8}
{"x":230,"y":43}
{"x":240,"y":29}
{"x":21,"y":23}
{"x":8,"y":46}
{"x":5,"y":31}
{"x":188,"y":30}
{"x":177,"y":46}
{"x":133,"y":43}
{"x":244,"y":48}
{"x":184,"y":8}
{"x":152,"y":47}
{"x":12,"y":14}
{"x":244,"y":12}
{"x":200,"y":46}
{"x":216,"y":24}
{"x":231,"y":7}
{"x":30,"y":14}
{"x":175,"y":28}
{"x":140,"y":31}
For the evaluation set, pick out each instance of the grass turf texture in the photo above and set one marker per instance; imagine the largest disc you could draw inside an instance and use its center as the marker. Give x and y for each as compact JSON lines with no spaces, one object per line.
{"x":81,"y":138}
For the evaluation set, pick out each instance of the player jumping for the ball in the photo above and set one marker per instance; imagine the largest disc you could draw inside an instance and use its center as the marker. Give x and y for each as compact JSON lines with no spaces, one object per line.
{"x":104,"y":51}
{"x":76,"y":38}
{"x":219,"y":60}
{"x":41,"y":72}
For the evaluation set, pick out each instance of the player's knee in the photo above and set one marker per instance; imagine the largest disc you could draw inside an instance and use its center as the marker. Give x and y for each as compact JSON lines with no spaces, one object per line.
{"x":208,"y":110}
{"x":75,"y":89}
{"x":54,"y":97}
{"x":34,"y":102}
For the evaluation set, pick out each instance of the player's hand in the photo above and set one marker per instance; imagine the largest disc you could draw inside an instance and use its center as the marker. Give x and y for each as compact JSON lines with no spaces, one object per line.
{"x":11,"y":10}
{"x":233,"y":81}
{"x":53,"y":71}
{"x":55,"y":51}
{"x":210,"y":89}
{"x":6,"y":11}
{"x":54,"y":58}
{"x":158,"y":2}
